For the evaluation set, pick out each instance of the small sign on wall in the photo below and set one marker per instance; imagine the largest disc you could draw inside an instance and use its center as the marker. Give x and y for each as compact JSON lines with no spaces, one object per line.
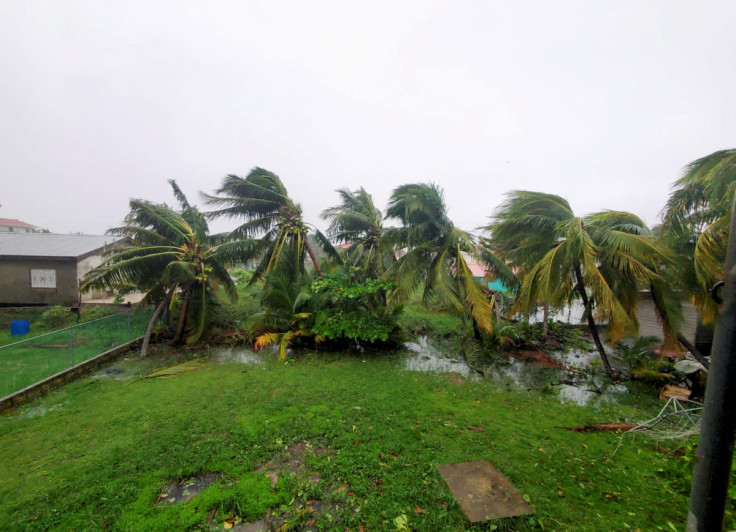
{"x":43,"y":278}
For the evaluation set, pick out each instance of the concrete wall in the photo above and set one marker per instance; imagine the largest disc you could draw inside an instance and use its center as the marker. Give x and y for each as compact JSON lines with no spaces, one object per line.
{"x":649,"y":324}
{"x":42,"y":387}
{"x":85,"y":265}
{"x":15,"y":282}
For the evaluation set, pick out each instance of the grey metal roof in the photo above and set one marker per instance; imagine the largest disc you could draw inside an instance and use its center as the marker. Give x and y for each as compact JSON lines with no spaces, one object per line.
{"x":51,"y":245}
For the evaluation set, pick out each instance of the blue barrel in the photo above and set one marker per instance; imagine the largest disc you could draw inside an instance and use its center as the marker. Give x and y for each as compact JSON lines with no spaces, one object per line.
{"x":20,"y":327}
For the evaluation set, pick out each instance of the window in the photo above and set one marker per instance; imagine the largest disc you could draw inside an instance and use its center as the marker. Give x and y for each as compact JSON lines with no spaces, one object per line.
{"x":43,"y":278}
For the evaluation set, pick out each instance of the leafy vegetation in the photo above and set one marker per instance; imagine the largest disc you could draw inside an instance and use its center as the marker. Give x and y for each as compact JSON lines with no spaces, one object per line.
{"x":172,"y":254}
{"x":353,"y":308}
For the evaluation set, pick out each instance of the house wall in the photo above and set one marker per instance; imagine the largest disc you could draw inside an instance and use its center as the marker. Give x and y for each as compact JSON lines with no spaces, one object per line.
{"x":649,"y":323}
{"x":15,"y":281}
{"x":15,"y":229}
{"x":85,"y":265}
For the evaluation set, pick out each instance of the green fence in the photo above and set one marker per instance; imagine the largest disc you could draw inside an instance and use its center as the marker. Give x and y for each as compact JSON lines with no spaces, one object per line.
{"x":28,"y":361}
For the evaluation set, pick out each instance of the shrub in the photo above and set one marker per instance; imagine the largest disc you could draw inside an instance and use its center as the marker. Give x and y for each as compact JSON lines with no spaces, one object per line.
{"x":55,"y":317}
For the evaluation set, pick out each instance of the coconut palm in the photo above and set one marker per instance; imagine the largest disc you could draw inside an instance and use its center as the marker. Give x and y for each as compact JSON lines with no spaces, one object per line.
{"x":696,"y":224}
{"x":171,"y":253}
{"x":286,"y":314}
{"x":435,"y":255}
{"x":358,"y":223}
{"x":603,"y":259}
{"x":272,"y":218}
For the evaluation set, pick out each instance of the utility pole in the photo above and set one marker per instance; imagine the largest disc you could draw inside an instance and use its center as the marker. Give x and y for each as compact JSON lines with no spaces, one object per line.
{"x":718,"y":425}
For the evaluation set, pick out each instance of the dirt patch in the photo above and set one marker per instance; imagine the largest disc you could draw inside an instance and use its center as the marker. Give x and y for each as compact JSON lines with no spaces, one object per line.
{"x":292,"y":462}
{"x":176,"y":492}
{"x":455,"y":378}
{"x":603,"y":427}
{"x":541,"y":358}
{"x":77,"y":343}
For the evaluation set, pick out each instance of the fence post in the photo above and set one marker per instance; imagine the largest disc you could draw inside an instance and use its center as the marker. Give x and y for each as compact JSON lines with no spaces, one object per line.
{"x":718,"y":424}
{"x":71,"y":346}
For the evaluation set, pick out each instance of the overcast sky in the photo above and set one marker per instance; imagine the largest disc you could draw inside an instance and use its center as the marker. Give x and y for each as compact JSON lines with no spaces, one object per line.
{"x":600,"y":102}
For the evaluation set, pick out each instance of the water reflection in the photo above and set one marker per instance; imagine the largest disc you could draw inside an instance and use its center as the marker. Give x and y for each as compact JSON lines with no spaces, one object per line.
{"x":581,"y":384}
{"x":429,"y":358}
{"x":242,"y":355}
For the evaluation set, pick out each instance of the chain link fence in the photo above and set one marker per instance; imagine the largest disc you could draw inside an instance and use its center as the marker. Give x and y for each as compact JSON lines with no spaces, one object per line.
{"x":27,"y":361}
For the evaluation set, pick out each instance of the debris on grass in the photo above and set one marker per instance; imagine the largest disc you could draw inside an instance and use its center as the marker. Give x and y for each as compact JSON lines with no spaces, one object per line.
{"x":177,"y":369}
{"x":602,"y":427}
{"x":176,"y":492}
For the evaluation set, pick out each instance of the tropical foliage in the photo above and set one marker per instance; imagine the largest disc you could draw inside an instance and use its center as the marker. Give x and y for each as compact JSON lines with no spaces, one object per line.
{"x":171,"y":253}
{"x":358,"y":224}
{"x":696,"y":225}
{"x":351,"y":307}
{"x":286,"y":314}
{"x":603,"y":259}
{"x":273,"y":224}
{"x":536,"y":245}
{"x":435,"y":257}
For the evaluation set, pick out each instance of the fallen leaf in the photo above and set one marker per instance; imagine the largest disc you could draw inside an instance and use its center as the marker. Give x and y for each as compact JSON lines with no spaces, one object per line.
{"x":476,"y":429}
{"x":362,"y":528}
{"x":341,"y":488}
{"x":444,"y":506}
{"x":227,"y":525}
{"x":418,"y":510}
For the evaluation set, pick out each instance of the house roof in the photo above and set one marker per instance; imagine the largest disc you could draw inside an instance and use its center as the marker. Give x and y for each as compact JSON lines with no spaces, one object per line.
{"x":51,"y":245}
{"x":16,"y":223}
{"x":478,"y":270}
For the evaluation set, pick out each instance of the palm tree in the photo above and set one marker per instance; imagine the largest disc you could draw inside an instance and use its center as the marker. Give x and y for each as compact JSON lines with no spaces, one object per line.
{"x":602,"y":259}
{"x":171,"y":252}
{"x":286,"y":315}
{"x":358,"y":223}
{"x":696,"y":225}
{"x":272,"y":218}
{"x":435,"y":254}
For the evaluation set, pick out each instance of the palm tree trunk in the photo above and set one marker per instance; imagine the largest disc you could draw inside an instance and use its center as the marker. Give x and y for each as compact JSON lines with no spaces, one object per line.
{"x":693,"y":350}
{"x":149,"y":329}
{"x":545,"y":319}
{"x":659,"y":304}
{"x":182,"y":318}
{"x":591,"y":322}
{"x":311,"y":256}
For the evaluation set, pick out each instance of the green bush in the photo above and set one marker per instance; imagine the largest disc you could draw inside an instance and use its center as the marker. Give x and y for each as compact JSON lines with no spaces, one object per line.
{"x":419,"y":320}
{"x":349,"y":307}
{"x":55,"y":317}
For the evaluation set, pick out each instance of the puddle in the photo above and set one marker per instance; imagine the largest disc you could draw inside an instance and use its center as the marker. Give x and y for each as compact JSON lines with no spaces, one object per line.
{"x":428,"y":358}
{"x":114,"y":373}
{"x":240,"y":355}
{"x":38,"y":411}
{"x":176,"y":492}
{"x":569,"y":374}
{"x":582,"y":395}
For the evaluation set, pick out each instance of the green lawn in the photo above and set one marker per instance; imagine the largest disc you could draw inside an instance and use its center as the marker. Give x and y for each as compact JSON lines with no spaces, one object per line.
{"x":97,"y":453}
{"x":33,"y":359}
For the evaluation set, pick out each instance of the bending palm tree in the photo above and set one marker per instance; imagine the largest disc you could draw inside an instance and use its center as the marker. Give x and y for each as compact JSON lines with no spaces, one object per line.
{"x":357,"y":222}
{"x":696,"y":224}
{"x":602,"y":259}
{"x":273,"y":218}
{"x":435,"y":254}
{"x":171,"y":252}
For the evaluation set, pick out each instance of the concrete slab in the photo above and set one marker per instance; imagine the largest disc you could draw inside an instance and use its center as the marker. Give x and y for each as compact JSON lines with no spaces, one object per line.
{"x":482,"y":491}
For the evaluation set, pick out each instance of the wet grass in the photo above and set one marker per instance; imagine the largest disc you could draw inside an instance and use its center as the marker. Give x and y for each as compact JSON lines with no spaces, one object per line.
{"x":97,"y":453}
{"x":29,"y":360}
